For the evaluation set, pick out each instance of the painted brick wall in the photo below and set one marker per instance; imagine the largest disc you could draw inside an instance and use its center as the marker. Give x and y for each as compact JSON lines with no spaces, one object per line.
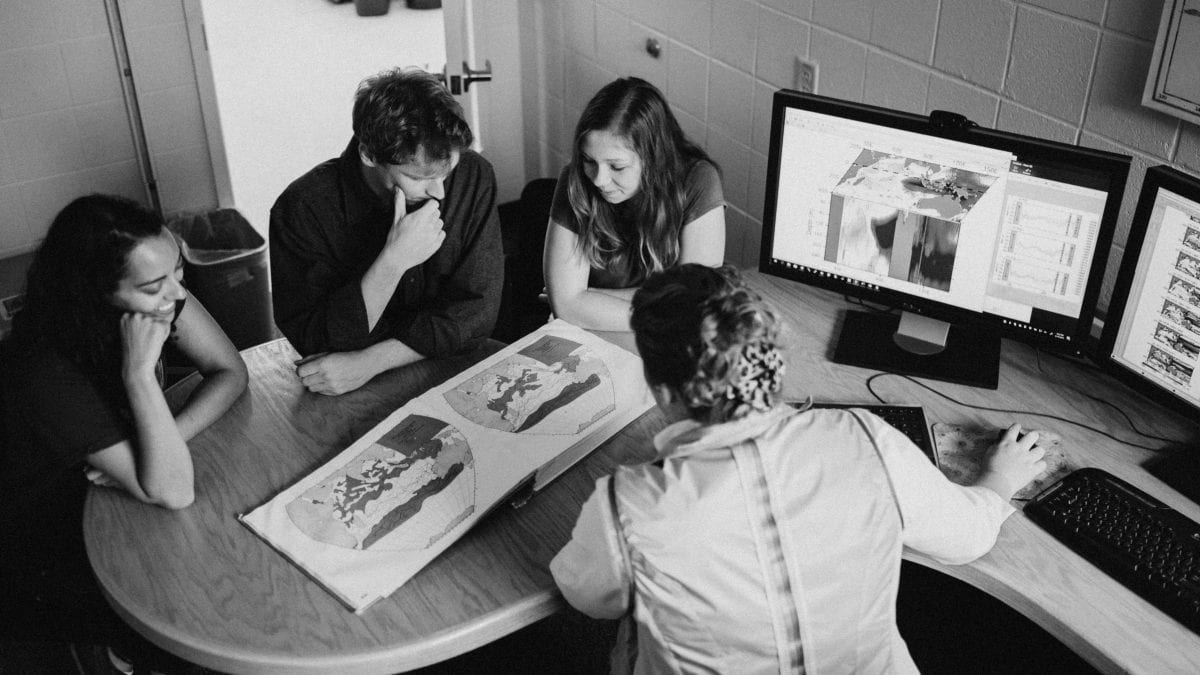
{"x":165,"y":77}
{"x":1068,"y":70}
{"x":63,"y":127}
{"x":64,"y":130}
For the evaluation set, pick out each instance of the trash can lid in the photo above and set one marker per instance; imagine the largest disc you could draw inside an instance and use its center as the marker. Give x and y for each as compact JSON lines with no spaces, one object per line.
{"x":217,"y":236}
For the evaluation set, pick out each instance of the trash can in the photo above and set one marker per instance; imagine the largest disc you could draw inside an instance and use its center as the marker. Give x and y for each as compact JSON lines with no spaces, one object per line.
{"x":225,"y":268}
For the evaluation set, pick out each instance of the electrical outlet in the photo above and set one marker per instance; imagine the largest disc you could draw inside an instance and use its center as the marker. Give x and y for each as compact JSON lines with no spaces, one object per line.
{"x":806,"y":76}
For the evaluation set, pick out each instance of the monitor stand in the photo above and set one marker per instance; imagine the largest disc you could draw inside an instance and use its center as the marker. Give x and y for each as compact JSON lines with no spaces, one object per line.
{"x":912,"y":344}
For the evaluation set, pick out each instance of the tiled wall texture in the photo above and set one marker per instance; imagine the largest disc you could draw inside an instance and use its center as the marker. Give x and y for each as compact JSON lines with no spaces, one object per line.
{"x":1068,"y":70}
{"x":64,"y":129}
{"x":165,"y":77}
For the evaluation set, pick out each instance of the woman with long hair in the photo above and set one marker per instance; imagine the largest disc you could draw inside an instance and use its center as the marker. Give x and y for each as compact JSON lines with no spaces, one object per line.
{"x":81,"y":400}
{"x":637,"y":197}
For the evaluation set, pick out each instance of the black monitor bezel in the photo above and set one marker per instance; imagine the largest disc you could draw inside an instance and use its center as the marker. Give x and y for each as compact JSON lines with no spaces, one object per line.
{"x":1077,"y":341}
{"x":1188,"y":187}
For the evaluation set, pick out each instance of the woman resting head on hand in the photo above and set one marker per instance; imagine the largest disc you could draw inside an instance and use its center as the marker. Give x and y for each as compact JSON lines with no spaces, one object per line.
{"x":81,"y":399}
{"x":104,"y":293}
{"x":637,"y":197}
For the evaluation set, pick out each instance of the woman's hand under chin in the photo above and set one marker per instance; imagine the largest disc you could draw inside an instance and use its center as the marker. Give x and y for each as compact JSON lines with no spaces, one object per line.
{"x":142,"y":338}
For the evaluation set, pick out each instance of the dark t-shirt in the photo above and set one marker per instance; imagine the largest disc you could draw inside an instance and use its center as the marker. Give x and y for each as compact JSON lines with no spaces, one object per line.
{"x":328,"y":227}
{"x":52,"y":416}
{"x":702,"y":193}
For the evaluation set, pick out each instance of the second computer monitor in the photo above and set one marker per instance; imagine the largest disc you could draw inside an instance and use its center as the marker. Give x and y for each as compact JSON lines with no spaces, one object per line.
{"x":1152,"y":332}
{"x":974,"y":233}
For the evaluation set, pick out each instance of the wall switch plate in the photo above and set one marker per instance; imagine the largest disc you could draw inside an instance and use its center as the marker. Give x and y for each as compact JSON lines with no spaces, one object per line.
{"x":806,"y":76}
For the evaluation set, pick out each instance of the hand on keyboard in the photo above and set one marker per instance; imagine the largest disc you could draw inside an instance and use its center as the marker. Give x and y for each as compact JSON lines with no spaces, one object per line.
{"x":1014,"y":461}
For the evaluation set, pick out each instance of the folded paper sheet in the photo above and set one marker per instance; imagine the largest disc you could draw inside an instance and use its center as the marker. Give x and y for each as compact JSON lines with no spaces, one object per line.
{"x":370,"y":518}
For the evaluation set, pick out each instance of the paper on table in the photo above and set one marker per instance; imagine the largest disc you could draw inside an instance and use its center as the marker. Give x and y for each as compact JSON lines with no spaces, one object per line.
{"x":370,"y":518}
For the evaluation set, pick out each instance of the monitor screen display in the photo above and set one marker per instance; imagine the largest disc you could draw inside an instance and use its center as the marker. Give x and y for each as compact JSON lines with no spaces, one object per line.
{"x":966,"y":225}
{"x":1152,"y":332}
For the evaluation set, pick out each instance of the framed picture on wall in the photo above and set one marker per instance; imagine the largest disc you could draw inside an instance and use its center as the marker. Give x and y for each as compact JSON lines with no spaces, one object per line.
{"x":1173,"y":84}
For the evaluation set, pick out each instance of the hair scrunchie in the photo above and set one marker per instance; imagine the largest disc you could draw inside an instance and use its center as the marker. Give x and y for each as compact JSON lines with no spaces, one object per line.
{"x":759,"y":376}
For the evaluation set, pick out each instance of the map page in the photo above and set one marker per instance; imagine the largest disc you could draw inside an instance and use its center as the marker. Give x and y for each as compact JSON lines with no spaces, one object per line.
{"x":372,"y":516}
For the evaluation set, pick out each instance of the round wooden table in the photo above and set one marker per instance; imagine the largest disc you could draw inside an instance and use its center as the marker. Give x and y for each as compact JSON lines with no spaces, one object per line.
{"x":201,"y":585}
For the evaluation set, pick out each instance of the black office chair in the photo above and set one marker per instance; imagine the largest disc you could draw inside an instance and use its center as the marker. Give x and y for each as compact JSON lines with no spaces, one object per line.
{"x":523,"y":230}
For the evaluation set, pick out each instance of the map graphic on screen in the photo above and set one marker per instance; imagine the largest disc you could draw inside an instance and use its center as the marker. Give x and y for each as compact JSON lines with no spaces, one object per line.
{"x":901,"y":218}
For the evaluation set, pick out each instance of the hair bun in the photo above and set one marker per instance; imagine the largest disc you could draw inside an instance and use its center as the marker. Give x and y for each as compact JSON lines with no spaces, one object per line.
{"x":711,"y":338}
{"x":740,"y":368}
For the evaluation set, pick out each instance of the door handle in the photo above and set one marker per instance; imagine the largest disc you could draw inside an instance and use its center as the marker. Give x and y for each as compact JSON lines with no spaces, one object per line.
{"x":459,"y":84}
{"x":482,"y":75}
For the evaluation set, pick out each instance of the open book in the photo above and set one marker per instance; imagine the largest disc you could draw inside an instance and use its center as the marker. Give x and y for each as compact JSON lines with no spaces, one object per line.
{"x":369,"y":519}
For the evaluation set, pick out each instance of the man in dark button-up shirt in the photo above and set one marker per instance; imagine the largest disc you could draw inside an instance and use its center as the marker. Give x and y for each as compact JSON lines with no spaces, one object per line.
{"x":391,"y":252}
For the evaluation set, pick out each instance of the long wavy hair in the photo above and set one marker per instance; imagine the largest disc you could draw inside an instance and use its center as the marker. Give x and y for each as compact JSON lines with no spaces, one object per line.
{"x":708,"y":336}
{"x":68,"y":305}
{"x":635,"y":110}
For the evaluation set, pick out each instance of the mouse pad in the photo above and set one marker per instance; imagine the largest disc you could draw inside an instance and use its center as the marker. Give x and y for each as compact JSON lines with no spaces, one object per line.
{"x":960,"y":450}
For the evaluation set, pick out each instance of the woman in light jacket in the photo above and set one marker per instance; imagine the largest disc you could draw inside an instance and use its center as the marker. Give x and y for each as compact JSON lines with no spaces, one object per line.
{"x":762,"y":538}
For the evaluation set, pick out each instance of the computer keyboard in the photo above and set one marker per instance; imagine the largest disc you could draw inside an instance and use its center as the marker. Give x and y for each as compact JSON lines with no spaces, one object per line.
{"x":909,"y":419}
{"x":1139,"y":541}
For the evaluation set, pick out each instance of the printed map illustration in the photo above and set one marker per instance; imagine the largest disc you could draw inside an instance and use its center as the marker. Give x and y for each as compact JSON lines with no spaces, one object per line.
{"x":553,"y":386}
{"x":412,"y":486}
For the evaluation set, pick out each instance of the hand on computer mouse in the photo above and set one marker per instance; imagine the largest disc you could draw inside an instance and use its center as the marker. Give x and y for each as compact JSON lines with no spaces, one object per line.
{"x":1001,"y":433}
{"x":1015,"y":460}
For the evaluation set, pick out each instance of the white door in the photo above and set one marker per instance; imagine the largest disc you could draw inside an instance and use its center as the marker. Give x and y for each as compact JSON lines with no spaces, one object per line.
{"x":480,"y":33}
{"x":277,"y":80}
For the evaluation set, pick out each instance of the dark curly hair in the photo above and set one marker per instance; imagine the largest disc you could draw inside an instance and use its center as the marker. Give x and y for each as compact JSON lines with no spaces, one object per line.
{"x":68,"y":290}
{"x":635,"y":110}
{"x":399,"y":112}
{"x":707,"y":335}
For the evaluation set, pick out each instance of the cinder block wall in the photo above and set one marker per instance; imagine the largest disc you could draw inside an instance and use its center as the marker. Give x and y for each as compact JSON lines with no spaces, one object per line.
{"x":64,"y":127}
{"x":1067,"y":70}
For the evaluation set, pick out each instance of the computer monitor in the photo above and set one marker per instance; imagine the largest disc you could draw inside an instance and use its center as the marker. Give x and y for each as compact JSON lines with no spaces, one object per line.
{"x":973,"y":233}
{"x":1151,"y":337}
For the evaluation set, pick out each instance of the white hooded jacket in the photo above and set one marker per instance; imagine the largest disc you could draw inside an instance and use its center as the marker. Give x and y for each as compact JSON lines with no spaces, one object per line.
{"x":770,"y":544}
